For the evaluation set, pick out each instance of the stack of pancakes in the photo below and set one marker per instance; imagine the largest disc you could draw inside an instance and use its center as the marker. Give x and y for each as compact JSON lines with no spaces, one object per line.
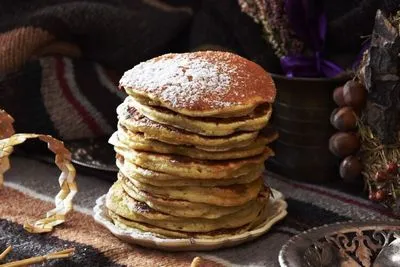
{"x":191,"y":144}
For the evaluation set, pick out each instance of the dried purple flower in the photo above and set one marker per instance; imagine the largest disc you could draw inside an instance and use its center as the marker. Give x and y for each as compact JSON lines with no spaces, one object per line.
{"x":271,"y":15}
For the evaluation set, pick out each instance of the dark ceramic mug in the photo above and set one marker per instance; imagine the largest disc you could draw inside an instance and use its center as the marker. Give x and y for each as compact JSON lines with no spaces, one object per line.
{"x":301,"y":115}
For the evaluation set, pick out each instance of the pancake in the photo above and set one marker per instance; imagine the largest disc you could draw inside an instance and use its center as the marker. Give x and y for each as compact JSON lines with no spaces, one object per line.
{"x":227,"y":196}
{"x":205,"y":126}
{"x":128,"y":225}
{"x":121,"y":204}
{"x":138,"y":123}
{"x":200,"y":84}
{"x":162,"y":179}
{"x":191,"y":145}
{"x":124,"y":138}
{"x":191,"y":168}
{"x":182,"y":208}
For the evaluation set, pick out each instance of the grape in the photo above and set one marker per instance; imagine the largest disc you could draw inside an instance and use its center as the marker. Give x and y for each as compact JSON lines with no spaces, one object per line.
{"x":354,"y":94}
{"x":338,"y":96}
{"x":350,"y":168}
{"x":343,"y":144}
{"x":344,"y":119}
{"x":332,"y":118}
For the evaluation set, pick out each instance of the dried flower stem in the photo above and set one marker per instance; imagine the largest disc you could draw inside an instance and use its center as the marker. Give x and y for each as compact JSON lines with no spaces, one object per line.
{"x":375,"y":157}
{"x":39,"y":259}
{"x":276,"y":26}
{"x":5,"y":252}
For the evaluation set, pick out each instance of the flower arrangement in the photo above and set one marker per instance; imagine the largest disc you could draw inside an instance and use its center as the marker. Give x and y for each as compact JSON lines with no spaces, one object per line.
{"x":275,"y":24}
{"x":379,"y":128}
{"x":368,"y":137}
{"x":368,"y":141}
{"x":296,"y":31}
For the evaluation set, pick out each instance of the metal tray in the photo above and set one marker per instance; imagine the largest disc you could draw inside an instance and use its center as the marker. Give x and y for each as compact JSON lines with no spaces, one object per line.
{"x":341,"y":244}
{"x":95,"y":153}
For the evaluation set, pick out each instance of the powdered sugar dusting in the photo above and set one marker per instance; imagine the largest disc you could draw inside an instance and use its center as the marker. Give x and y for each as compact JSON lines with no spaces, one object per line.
{"x":127,"y":112}
{"x":183,"y":80}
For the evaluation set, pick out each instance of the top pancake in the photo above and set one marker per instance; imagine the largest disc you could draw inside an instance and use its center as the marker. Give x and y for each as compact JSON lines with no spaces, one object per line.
{"x":200,"y":84}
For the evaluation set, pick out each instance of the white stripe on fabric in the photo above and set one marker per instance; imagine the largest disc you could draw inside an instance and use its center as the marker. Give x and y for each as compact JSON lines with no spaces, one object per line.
{"x":42,"y":197}
{"x":65,"y":117}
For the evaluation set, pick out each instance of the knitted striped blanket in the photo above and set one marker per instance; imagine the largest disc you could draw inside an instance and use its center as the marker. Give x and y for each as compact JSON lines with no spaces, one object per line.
{"x":60,"y":60}
{"x":30,"y":185}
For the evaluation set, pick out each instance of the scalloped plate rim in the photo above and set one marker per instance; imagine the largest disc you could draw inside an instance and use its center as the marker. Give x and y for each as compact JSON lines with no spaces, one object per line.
{"x":190,"y":244}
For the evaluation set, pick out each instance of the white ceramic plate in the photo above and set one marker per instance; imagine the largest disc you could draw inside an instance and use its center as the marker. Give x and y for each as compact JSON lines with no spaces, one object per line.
{"x":277,"y":211}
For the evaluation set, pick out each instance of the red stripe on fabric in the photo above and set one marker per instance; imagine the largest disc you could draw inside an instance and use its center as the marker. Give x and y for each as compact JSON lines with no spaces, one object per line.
{"x":89,"y":120}
{"x":343,"y":199}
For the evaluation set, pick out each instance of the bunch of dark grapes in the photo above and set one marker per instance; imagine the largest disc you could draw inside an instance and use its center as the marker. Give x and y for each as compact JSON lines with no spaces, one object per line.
{"x":346,"y":143}
{"x":361,"y":158}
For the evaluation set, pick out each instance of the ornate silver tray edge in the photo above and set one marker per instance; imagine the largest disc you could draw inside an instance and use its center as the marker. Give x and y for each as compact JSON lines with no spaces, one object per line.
{"x":292,"y":252}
